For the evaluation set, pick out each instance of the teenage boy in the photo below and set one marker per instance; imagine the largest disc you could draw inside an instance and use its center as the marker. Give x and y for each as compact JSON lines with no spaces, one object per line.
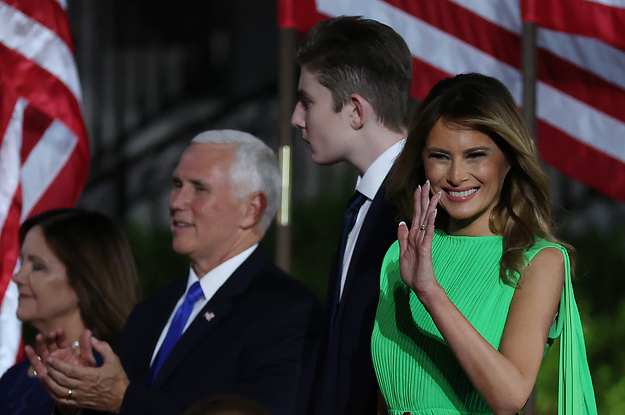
{"x":353,"y":97}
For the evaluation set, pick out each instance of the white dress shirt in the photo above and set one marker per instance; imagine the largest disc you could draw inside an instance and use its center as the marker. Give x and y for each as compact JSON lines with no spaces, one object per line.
{"x":210,"y":283}
{"x":368,"y":185}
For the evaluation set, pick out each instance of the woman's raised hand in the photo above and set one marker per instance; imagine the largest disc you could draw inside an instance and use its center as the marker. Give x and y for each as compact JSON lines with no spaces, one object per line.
{"x":415,"y":244}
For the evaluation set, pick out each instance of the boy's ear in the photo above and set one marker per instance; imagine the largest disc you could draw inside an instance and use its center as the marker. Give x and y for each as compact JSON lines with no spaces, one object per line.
{"x":361,"y":111}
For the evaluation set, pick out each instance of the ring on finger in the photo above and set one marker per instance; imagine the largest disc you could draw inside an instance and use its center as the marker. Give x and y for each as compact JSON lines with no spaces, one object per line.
{"x":69,"y":394}
{"x":422,"y":227}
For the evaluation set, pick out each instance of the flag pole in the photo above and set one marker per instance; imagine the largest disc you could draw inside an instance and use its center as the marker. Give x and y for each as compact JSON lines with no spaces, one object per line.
{"x":286,"y":95}
{"x":529,"y":115}
{"x":529,"y":76}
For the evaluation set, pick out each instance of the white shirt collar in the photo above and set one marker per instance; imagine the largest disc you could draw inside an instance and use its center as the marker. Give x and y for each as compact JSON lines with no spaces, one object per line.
{"x":216,"y":277}
{"x":210,"y":283}
{"x":370,"y":183}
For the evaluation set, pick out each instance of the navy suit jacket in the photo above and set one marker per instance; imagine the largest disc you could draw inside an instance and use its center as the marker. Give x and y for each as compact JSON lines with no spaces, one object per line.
{"x":257,"y":341}
{"x":345,"y":380}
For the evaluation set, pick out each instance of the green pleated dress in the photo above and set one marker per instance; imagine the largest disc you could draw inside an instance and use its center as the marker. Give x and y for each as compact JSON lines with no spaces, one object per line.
{"x":416,"y":370}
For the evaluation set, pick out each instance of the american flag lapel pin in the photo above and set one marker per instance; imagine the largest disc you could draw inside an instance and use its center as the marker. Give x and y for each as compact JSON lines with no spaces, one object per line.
{"x":209,"y":315}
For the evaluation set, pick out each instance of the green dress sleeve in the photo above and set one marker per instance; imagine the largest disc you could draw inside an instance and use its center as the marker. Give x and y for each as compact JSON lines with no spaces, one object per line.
{"x":575,"y":391}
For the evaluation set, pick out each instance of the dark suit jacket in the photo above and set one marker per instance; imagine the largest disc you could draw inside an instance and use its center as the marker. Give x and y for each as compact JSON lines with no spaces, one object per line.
{"x":258,"y":344}
{"x":346,"y":382}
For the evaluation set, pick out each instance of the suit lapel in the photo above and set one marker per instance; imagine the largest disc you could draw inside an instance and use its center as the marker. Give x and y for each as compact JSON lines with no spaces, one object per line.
{"x":217,"y":308}
{"x":369,"y":227}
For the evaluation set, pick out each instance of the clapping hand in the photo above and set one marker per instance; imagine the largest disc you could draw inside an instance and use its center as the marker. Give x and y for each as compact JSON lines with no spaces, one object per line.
{"x":56,"y":344}
{"x":70,"y":376}
{"x":415,"y":244}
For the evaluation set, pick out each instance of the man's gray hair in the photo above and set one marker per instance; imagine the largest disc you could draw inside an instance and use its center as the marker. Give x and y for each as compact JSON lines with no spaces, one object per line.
{"x":255,"y":168}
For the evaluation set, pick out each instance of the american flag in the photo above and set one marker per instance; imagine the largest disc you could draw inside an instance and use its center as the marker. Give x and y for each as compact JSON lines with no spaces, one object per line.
{"x":44,"y":152}
{"x":580,"y":65}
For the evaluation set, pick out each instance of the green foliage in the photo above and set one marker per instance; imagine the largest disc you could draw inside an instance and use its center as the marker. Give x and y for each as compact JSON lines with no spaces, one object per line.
{"x":157,"y":264}
{"x":316,"y":232}
{"x":547,"y":383}
{"x":615,"y":398}
{"x":316,"y":236}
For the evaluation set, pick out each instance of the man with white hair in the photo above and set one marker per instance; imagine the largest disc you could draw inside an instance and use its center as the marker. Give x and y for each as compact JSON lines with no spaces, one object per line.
{"x":237,"y":325}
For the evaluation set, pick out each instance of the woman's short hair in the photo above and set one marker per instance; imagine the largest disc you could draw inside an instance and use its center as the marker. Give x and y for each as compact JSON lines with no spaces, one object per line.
{"x":99,"y":264}
{"x":483,"y":104}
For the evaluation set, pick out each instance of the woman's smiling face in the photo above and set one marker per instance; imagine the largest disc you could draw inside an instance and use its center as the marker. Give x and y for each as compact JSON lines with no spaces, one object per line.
{"x":469,"y":169}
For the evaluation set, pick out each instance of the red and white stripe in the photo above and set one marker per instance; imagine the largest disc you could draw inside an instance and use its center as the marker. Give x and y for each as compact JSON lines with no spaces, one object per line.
{"x":598,"y":19}
{"x":581,"y":80}
{"x":44,"y":153}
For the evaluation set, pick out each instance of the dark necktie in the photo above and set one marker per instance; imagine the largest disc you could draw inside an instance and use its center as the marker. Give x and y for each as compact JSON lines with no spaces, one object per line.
{"x":348,"y":224}
{"x":175,"y":329}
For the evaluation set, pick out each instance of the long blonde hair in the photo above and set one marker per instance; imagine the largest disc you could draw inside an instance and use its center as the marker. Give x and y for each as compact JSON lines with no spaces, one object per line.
{"x":483,"y":104}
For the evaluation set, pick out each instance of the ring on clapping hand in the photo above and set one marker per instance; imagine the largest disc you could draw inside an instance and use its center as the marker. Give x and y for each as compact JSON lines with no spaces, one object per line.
{"x":69,"y":394}
{"x":422,"y":227}
{"x":34,"y":372}
{"x":76,"y":347}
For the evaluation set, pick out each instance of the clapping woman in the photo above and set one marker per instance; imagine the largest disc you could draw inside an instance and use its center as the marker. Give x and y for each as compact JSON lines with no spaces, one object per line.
{"x":477,"y":286}
{"x":76,"y":273}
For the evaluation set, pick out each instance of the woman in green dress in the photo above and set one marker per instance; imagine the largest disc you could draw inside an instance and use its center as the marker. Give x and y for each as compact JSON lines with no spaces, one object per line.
{"x":477,"y":288}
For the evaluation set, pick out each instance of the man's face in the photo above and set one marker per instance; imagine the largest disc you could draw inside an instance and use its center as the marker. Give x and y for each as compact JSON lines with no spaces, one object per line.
{"x":325,"y":131}
{"x":205,"y":215}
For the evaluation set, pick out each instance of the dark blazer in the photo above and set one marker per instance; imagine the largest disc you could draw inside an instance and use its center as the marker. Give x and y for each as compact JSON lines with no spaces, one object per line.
{"x":254,"y":338}
{"x":346,"y":382}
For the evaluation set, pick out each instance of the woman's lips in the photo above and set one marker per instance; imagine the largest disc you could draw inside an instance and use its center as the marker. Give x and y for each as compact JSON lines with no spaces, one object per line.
{"x":461,"y":195}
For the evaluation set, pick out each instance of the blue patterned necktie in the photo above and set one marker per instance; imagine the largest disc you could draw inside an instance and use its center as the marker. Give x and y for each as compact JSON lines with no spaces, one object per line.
{"x":175,"y":329}
{"x":355,"y":203}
